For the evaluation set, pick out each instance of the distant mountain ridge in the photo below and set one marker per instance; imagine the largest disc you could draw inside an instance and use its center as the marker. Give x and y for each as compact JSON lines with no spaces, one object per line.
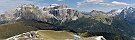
{"x":116,"y":21}
{"x":63,"y":13}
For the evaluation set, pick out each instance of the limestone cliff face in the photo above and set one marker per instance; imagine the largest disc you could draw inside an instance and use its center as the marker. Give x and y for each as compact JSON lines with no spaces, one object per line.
{"x":54,"y":11}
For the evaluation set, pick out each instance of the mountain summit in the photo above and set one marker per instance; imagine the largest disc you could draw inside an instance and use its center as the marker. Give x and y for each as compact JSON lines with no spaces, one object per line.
{"x":32,"y":12}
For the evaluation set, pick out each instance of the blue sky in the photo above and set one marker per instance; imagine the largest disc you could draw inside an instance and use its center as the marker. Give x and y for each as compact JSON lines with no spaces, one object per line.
{"x":82,"y":5}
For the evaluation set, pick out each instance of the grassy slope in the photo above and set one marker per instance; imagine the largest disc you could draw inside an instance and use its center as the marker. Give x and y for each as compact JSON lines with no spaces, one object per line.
{"x":54,"y":35}
{"x":13,"y":29}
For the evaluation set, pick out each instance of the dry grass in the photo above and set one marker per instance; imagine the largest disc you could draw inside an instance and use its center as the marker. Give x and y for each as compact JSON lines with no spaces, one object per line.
{"x":55,"y":35}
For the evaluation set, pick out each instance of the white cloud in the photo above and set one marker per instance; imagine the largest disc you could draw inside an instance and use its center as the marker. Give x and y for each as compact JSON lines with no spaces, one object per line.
{"x":132,"y":5}
{"x":119,"y":3}
{"x":94,"y":1}
{"x":89,"y":2}
{"x":106,"y":4}
{"x":79,"y":4}
{"x":59,"y":0}
{"x":86,"y":2}
{"x":102,"y":2}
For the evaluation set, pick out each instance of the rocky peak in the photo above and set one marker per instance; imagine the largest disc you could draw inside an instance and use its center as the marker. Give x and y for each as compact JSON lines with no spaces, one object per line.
{"x":129,"y":14}
{"x":53,"y":11}
{"x":101,"y":17}
{"x":96,"y":13}
{"x":26,"y":7}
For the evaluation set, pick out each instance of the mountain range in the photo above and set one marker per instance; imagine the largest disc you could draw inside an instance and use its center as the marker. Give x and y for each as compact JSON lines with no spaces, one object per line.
{"x":119,"y":22}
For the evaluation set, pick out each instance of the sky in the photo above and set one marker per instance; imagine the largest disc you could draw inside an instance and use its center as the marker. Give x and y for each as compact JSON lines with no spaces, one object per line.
{"x":81,"y":5}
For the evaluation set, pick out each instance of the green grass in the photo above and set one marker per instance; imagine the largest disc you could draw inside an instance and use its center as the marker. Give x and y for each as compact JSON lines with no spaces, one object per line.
{"x":10,"y":30}
{"x":54,"y":35}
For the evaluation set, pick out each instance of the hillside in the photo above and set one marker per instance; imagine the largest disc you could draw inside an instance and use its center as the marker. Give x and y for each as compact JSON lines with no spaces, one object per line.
{"x":118,"y":27}
{"x":8,"y":30}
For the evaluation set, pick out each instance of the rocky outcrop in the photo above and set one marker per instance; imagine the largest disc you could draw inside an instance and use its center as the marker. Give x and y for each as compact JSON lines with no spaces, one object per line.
{"x":101,"y":17}
{"x":26,"y":36}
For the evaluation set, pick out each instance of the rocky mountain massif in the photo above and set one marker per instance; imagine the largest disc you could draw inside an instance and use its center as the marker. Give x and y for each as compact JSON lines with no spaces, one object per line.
{"x":118,"y":23}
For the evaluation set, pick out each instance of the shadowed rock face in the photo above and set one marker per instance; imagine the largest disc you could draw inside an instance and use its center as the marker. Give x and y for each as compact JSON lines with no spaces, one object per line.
{"x":128,"y":14}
